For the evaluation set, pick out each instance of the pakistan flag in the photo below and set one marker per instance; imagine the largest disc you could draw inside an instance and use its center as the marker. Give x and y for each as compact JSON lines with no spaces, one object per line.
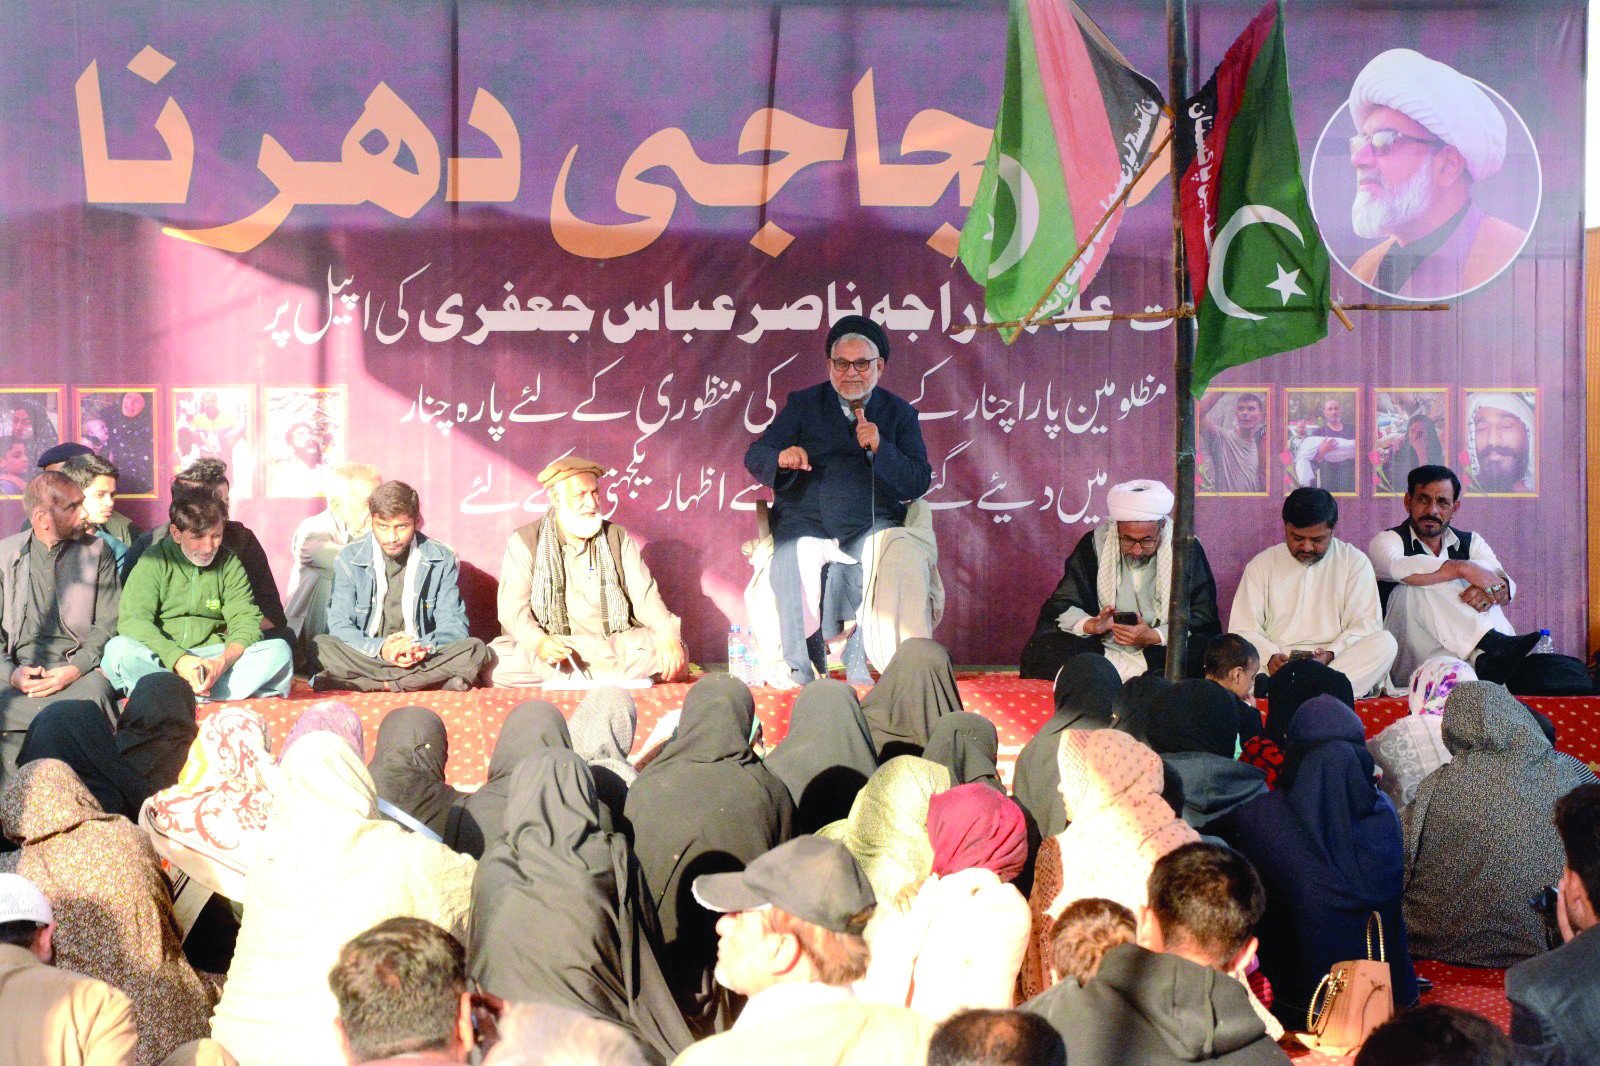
{"x":1257,"y":264}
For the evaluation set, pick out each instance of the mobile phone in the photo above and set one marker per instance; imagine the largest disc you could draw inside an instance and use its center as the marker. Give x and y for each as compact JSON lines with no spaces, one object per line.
{"x":1302,"y":653}
{"x":1126,"y":618}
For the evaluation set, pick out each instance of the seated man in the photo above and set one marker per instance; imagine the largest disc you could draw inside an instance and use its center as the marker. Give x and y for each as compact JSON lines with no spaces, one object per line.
{"x":212,"y":476}
{"x":317,"y":543}
{"x":52,"y":1015}
{"x":59,"y":590}
{"x":1446,"y":588}
{"x":843,"y":459}
{"x":1088,"y":612}
{"x":1555,"y":1016}
{"x":996,"y":1038}
{"x":790,"y":939}
{"x":575,"y":595}
{"x":187,"y":608}
{"x":1159,"y":1000}
{"x":396,"y":620}
{"x":98,"y":480}
{"x":402,"y":993}
{"x":1314,"y":596}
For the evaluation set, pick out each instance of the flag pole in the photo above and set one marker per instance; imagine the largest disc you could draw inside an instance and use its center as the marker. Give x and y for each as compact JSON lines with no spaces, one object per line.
{"x":1183,"y":361}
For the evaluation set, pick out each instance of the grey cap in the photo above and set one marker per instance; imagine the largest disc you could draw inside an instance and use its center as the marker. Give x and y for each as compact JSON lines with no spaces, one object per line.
{"x":815,"y":880}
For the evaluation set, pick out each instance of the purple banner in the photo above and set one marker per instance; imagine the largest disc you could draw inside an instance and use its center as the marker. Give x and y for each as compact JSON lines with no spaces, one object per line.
{"x":460,"y":240}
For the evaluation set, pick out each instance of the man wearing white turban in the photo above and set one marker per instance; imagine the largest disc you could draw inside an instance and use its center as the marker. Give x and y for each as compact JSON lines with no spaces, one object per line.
{"x":1500,"y":444}
{"x":1425,"y":134}
{"x":1112,"y":599}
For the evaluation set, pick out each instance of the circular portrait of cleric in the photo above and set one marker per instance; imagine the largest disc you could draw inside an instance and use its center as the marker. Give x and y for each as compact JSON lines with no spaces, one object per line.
{"x":1502,"y":441}
{"x":1425,"y":182}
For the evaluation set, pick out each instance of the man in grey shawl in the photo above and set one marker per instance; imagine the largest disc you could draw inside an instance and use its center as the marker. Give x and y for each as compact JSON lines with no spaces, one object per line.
{"x":576,"y":599}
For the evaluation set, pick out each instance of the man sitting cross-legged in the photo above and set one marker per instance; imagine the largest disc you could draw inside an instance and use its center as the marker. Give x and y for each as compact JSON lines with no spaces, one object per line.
{"x":396,"y":620}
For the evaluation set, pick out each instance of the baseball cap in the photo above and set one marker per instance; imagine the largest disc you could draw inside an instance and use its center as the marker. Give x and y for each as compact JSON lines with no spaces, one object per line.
{"x":60,"y":453}
{"x":815,"y":880}
{"x":21,"y":901}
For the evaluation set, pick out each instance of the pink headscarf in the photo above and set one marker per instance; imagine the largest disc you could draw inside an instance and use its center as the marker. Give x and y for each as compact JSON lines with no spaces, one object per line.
{"x":1432,"y":681}
{"x":333,"y":716}
{"x":975,"y":826}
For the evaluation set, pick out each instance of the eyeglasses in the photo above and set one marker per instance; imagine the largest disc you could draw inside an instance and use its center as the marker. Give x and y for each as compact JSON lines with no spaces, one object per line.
{"x":1382,"y":142}
{"x":1149,"y":544}
{"x":860,"y":366}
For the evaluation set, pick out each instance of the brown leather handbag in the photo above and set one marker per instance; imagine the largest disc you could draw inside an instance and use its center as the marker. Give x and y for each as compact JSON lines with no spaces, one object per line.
{"x":1360,"y":997}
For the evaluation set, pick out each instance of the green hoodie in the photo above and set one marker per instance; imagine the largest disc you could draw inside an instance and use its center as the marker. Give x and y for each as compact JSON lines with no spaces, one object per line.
{"x":170,"y":605}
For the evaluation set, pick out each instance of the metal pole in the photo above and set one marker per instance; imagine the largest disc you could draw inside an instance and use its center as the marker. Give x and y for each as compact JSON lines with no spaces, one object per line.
{"x":1183,"y":361}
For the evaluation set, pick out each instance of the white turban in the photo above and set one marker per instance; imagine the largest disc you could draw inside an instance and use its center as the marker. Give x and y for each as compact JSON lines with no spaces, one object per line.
{"x":1139,"y":501}
{"x":1450,"y":105}
{"x":1512,"y":404}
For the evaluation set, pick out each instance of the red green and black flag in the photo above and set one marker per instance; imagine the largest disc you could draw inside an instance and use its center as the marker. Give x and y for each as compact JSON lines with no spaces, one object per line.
{"x":1257,"y":264}
{"x":1075,"y":124}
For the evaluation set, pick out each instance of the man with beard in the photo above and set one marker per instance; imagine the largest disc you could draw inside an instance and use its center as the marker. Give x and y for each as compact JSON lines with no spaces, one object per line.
{"x":1445,"y":588}
{"x":1235,"y":441}
{"x":844,"y":459}
{"x":1105,"y":583}
{"x":1500,"y":442}
{"x":576,"y":599}
{"x":1425,"y":135}
{"x":187,"y":608}
{"x":1314,"y":596}
{"x":58,"y":608}
{"x":396,"y":621}
{"x":1338,"y":474}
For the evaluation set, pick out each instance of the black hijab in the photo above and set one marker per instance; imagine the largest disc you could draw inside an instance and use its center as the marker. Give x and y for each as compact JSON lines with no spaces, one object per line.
{"x":559,"y":913}
{"x":77,"y":733}
{"x":917,"y":689}
{"x":1200,"y":715}
{"x":529,"y":727}
{"x":969,"y":746}
{"x":408,"y":766}
{"x":827,"y":754}
{"x":157,"y":728}
{"x":1086,"y":687}
{"x":1297,"y":681}
{"x":1138,"y":702}
{"x":706,"y":804}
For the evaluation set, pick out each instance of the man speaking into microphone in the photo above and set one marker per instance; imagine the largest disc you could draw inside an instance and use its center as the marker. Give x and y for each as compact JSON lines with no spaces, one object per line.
{"x":843,"y":458}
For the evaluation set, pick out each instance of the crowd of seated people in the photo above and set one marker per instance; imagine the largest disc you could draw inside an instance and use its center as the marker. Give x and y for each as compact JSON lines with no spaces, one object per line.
{"x":872,"y":894}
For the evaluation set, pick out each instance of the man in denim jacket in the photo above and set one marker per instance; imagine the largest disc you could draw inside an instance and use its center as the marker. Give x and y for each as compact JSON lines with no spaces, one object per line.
{"x":396,"y":620}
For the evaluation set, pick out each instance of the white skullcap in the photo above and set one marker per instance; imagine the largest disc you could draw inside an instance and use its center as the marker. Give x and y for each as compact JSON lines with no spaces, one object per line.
{"x":21,"y":901}
{"x":1447,"y":103}
{"x":1139,"y":501}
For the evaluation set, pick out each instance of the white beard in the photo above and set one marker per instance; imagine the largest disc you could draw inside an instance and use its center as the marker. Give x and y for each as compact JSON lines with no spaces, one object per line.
{"x":581,"y":526}
{"x":1374,"y":216}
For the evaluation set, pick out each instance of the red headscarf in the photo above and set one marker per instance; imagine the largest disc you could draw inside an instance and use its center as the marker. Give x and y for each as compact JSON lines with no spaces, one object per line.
{"x":975,"y":825}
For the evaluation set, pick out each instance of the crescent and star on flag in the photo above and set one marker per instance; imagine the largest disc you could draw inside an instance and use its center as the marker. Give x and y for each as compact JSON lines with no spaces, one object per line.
{"x":1287,"y":283}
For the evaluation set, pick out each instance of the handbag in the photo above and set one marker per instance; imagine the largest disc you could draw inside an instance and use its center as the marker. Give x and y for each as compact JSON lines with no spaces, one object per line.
{"x":1360,"y":997}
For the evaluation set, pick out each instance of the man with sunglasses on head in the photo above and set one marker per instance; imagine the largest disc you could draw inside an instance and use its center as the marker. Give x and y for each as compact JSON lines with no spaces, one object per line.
{"x":1425,"y":135}
{"x":844,"y":458}
{"x":1112,"y":599}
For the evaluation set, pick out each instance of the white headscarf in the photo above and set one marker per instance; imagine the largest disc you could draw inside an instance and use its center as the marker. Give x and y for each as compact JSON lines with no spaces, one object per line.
{"x":1447,"y":103}
{"x":1513,"y":404}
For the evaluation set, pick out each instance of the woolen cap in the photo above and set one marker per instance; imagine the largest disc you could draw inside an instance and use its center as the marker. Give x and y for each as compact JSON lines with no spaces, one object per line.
{"x":571,"y":466}
{"x":814,"y":879}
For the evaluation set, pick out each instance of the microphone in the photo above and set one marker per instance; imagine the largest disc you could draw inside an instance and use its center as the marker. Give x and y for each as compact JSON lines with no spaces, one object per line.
{"x":856,"y":409}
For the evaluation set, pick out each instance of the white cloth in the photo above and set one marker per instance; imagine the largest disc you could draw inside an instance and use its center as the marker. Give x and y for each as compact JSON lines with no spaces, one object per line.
{"x":408,"y":591}
{"x":316,"y":541}
{"x":1304,"y":450}
{"x":1283,"y":606}
{"x":1141,"y":589}
{"x":1431,"y":620}
{"x":1408,"y":751}
{"x":1139,"y":501}
{"x":1450,"y":105}
{"x":776,"y":1002}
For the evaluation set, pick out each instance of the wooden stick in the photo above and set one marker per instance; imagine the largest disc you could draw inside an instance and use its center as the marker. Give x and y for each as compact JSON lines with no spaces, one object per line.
{"x":1121,"y":316}
{"x":1085,"y":245}
{"x":1396,"y":307}
{"x":1344,"y":318}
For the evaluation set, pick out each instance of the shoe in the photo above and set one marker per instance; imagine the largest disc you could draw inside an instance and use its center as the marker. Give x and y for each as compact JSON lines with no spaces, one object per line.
{"x":1500,"y":654}
{"x":321,"y":682}
{"x":456,"y":684}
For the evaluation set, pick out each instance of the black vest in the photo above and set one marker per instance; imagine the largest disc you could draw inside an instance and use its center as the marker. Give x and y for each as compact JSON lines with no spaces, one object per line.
{"x":1413,"y":546}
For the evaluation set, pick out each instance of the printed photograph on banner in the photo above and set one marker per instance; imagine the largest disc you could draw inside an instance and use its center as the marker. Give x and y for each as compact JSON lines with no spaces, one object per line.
{"x":1425,"y":181}
{"x":1321,"y":445}
{"x":303,"y":438}
{"x":1231,"y":441}
{"x":30,"y":422}
{"x":119,"y":423}
{"x":1410,"y":428}
{"x":1500,"y":427}
{"x":217,"y":422}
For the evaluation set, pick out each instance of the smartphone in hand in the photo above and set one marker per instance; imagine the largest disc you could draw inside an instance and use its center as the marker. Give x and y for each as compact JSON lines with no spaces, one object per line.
{"x":1126,"y":618}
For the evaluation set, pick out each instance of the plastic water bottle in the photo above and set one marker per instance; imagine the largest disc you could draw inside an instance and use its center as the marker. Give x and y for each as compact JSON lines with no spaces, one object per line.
{"x":752,"y":660}
{"x":738,"y":662}
{"x":1545,"y":646}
